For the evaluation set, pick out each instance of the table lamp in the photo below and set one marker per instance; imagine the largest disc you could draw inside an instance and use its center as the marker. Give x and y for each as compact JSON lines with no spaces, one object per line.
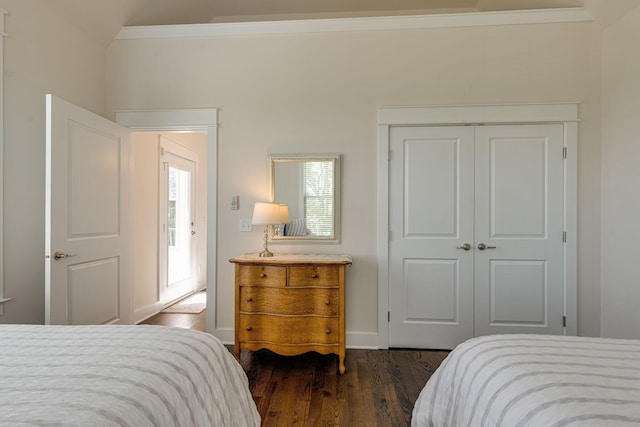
{"x":269,"y":214}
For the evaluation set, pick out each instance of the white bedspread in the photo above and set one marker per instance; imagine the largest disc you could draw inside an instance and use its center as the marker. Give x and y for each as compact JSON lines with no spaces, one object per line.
{"x":120,"y":375}
{"x":534,"y":380}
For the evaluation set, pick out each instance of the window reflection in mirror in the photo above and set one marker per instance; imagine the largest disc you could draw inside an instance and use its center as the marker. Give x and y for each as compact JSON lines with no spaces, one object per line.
{"x":309,"y":185}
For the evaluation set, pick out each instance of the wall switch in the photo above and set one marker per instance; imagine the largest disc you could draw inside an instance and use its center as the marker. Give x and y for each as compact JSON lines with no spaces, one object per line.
{"x":245,"y":225}
{"x":234,"y":203}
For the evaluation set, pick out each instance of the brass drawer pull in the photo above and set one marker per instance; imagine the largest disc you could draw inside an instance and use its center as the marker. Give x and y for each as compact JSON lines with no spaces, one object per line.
{"x":249,"y":328}
{"x":249,"y":299}
{"x":263,"y":275}
{"x":328,"y":331}
{"x":327,"y":302}
{"x":314,"y":276}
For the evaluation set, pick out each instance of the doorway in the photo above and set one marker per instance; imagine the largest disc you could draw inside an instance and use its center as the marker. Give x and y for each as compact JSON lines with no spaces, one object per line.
{"x":170,"y":218}
{"x":180,"y":124}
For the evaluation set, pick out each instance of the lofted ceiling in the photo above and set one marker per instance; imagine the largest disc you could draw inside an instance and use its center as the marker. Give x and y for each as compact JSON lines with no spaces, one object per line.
{"x":102,"y":19}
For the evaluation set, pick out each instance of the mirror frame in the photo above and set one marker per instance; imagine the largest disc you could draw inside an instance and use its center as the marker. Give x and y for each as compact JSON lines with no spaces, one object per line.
{"x":274,"y":159}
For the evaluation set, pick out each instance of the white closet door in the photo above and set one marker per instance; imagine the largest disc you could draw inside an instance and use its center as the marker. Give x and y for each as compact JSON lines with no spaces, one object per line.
{"x":519,"y":217}
{"x":431,"y":217}
{"x":497,"y":188}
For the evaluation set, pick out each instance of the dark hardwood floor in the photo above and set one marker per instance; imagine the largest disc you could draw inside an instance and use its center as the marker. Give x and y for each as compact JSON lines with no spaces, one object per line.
{"x":379,"y":387}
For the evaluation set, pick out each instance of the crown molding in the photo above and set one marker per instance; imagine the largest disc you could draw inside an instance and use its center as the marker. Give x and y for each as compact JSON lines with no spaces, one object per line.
{"x":473,"y":114}
{"x":406,"y":22}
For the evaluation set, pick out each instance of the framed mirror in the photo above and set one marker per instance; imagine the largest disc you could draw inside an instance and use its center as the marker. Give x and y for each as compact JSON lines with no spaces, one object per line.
{"x":309,"y":184}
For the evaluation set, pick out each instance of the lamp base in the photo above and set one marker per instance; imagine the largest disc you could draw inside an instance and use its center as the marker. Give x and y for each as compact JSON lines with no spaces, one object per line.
{"x":265,"y":253}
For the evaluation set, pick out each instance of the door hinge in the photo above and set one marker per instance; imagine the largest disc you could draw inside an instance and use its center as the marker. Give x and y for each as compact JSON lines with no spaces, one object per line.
{"x":388,"y":316}
{"x":564,"y":237}
{"x":564,"y":152}
{"x":390,"y":235}
{"x":390,"y":155}
{"x":564,"y":321}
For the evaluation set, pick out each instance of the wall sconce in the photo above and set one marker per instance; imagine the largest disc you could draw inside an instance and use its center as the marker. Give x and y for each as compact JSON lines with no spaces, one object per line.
{"x":269,"y":214}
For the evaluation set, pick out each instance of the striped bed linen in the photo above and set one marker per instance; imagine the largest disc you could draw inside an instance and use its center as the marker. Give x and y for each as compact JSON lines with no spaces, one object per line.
{"x":534,"y":380}
{"x":120,"y":376}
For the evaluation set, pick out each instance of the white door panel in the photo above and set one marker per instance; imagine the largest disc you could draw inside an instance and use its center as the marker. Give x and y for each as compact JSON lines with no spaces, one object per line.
{"x":88,"y":218}
{"x":431,"y":176}
{"x":95,"y":280}
{"x":519,"y":284}
{"x":518,"y":293}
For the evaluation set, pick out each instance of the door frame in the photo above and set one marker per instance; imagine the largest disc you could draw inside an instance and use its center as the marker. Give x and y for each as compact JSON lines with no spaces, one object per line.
{"x":190,"y":120}
{"x":562,"y":113}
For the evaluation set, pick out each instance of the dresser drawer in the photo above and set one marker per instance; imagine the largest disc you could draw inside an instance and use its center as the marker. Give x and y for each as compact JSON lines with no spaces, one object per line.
{"x":288,"y":301}
{"x":314,"y":276}
{"x":262,"y":275}
{"x":289,"y":330}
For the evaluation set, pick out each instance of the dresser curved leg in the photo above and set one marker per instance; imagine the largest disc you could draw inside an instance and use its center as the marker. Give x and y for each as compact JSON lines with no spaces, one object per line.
{"x":342,"y":368}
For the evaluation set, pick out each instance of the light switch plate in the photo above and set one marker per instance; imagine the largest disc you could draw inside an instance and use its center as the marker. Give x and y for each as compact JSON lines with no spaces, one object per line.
{"x":245,"y":225}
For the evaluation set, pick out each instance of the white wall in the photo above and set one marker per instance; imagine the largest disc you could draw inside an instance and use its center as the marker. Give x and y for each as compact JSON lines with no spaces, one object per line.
{"x":311,"y":93}
{"x":43,"y":54}
{"x":621,"y":178}
{"x":145,"y":195}
{"x":147,"y":161}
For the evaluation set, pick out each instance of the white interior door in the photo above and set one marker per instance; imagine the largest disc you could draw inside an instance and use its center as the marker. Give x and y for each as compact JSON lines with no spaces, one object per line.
{"x":88,"y":217}
{"x":431,"y":220}
{"x":519,"y":217}
{"x":178,"y":274}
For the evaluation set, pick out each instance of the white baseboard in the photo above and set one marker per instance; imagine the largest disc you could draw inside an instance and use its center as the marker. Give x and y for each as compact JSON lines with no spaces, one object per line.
{"x":355,"y":340}
{"x":146,"y":312}
{"x":225,"y":335}
{"x":363,"y":340}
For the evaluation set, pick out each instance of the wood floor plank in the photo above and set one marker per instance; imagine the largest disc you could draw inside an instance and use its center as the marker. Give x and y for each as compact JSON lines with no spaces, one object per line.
{"x":317,"y":394}
{"x":379,"y":387}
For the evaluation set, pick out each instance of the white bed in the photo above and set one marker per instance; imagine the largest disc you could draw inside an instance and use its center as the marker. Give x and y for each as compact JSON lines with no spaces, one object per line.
{"x":534,"y":380}
{"x":120,"y":375}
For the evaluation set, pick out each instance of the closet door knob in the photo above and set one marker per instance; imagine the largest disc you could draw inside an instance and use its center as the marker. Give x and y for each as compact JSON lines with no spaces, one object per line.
{"x":483,"y":246}
{"x":61,"y":255}
{"x":466,"y":246}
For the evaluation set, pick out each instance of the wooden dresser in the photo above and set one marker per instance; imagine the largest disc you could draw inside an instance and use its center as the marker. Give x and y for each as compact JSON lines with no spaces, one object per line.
{"x":290,"y":304}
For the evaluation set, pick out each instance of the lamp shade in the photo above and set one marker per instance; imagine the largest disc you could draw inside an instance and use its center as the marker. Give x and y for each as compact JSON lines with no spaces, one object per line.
{"x":266,"y":213}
